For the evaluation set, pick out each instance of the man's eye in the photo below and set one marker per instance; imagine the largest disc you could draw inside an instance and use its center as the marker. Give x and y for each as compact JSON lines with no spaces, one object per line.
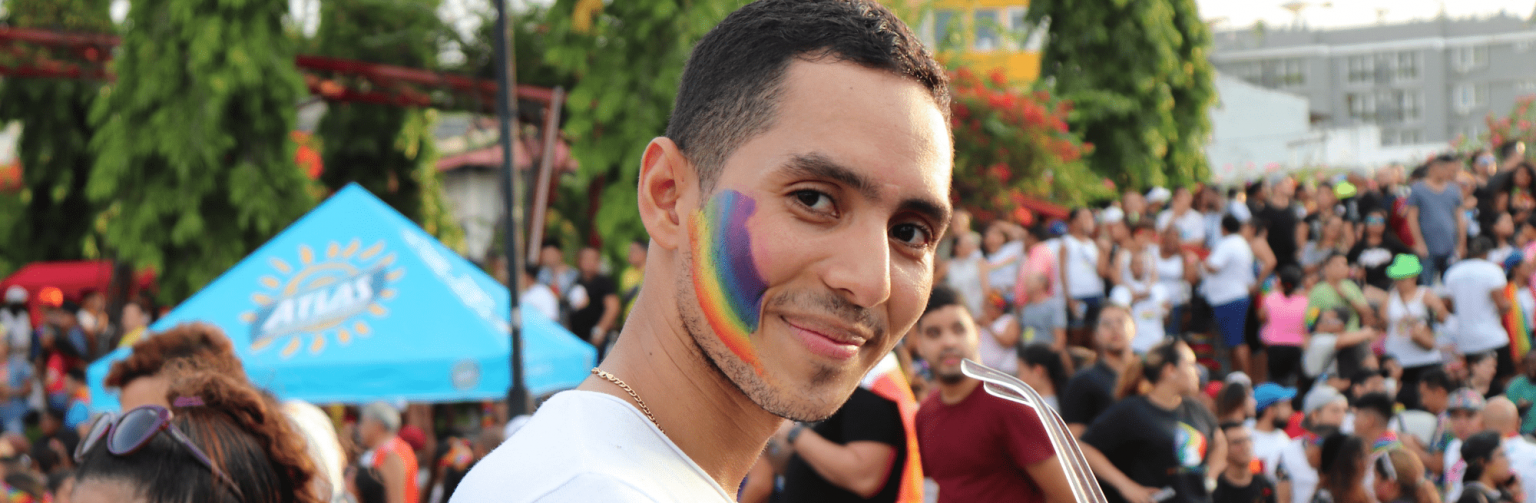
{"x":911,"y":234}
{"x":815,"y":201}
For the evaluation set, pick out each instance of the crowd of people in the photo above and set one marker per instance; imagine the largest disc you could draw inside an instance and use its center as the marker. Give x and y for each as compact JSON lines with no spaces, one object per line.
{"x":186,"y":408}
{"x":1349,"y":338}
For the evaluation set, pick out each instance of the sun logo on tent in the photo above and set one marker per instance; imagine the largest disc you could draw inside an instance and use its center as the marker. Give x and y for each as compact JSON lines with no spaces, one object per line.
{"x":321,"y":297}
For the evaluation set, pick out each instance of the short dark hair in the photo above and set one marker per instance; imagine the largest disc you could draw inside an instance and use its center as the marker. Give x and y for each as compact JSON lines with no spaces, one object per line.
{"x":1361,"y":375}
{"x":1437,"y":378}
{"x":942,"y":296}
{"x":1479,"y":247}
{"x":1231,"y":224}
{"x":734,"y":78}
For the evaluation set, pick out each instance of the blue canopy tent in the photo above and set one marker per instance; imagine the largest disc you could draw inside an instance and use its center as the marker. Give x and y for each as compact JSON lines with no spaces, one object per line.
{"x":354,"y":303}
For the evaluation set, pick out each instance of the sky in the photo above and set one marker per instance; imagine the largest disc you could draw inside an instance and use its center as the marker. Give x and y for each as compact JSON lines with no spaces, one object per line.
{"x":1229,"y":14}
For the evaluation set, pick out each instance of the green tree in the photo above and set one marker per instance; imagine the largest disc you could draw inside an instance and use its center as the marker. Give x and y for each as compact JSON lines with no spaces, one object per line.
{"x":55,"y":218}
{"x":387,"y":149}
{"x":193,"y":148}
{"x":1139,"y":77}
{"x":629,"y":59}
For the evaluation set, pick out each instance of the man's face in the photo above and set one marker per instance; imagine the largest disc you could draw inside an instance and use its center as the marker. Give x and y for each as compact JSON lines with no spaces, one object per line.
{"x":814,"y":252}
{"x":1189,"y":371}
{"x":1433,"y":399}
{"x":1115,"y":330}
{"x":945,"y":336}
{"x":1133,"y":203}
{"x":1084,"y":221}
{"x":1283,"y":411}
{"x":550,"y":256}
{"x":589,"y":261}
{"x":1182,"y":199}
{"x":1466,"y":422}
{"x":1331,"y":414}
{"x":1239,"y":446}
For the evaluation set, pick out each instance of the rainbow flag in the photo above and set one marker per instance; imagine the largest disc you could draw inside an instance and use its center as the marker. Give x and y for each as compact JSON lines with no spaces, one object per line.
{"x":1514,"y":323}
{"x":887,"y":381}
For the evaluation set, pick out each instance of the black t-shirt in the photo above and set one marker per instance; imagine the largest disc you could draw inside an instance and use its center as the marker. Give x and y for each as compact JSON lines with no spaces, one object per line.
{"x":1088,"y":394}
{"x":1282,"y":233}
{"x":1156,"y":447}
{"x":598,"y":288}
{"x":864,"y":417}
{"x":1258,"y":490}
{"x":1374,"y":259}
{"x":1376,"y":200}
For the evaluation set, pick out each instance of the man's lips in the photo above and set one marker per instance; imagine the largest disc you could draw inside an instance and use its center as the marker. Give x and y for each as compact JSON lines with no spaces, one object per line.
{"x":827,"y":339}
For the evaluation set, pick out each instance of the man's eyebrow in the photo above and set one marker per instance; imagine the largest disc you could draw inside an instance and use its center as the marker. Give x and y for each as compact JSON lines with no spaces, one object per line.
{"x":815,"y":165}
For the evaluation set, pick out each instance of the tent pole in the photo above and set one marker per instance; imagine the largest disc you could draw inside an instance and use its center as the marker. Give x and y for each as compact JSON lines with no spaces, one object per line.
{"x":506,"y":112}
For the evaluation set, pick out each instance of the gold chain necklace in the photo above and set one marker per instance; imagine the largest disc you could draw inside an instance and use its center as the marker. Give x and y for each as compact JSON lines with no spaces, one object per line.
{"x":620,"y":383}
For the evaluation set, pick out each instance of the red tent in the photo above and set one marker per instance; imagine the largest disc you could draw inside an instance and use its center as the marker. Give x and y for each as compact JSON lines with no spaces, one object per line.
{"x":72,"y":278}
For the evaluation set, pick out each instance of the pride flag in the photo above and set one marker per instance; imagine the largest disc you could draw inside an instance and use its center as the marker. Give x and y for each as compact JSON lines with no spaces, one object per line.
{"x":1514,"y":323}
{"x":887,"y":381}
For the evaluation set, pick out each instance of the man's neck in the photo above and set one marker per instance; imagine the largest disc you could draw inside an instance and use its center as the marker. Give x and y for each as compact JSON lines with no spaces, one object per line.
{"x":1116,"y":361}
{"x":706,"y":415}
{"x":950,"y":394}
{"x":1238,"y":474}
{"x":1265,"y":425}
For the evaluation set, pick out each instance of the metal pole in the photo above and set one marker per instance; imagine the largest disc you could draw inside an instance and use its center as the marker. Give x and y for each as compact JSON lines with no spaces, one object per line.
{"x":546,"y":170}
{"x":506,"y":112}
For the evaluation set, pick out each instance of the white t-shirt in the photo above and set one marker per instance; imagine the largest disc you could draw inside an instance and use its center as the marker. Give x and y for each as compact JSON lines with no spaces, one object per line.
{"x":585,"y":446}
{"x":1170,"y":272}
{"x":994,"y":354}
{"x":540,"y":298}
{"x":1233,"y":261}
{"x":1293,"y":458}
{"x":1081,"y":261}
{"x":1267,"y":446}
{"x":1005,"y":265}
{"x":1190,"y":225}
{"x":1480,"y":328}
{"x":1522,"y":461}
{"x":965,"y":277}
{"x":1455,"y":470}
{"x":1148,"y":313}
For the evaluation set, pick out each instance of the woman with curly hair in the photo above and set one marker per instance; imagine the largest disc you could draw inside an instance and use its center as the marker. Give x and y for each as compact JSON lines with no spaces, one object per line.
{"x":221,"y":440}
{"x":140,"y":377}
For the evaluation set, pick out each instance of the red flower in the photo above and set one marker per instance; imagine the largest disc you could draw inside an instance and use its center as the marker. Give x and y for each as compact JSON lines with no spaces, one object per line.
{"x":998,"y":78}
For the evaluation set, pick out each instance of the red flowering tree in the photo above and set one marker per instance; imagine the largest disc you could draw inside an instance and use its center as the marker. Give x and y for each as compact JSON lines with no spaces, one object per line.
{"x":1518,"y":125}
{"x":1012,"y":143}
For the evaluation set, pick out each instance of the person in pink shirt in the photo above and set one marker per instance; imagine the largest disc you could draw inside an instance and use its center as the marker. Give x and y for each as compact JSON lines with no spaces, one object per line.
{"x":1038,"y":259}
{"x":1283,"y":315}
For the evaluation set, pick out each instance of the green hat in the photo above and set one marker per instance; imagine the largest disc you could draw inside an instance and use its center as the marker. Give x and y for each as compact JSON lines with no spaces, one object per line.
{"x":1344,"y":190}
{"x":1404,"y":266}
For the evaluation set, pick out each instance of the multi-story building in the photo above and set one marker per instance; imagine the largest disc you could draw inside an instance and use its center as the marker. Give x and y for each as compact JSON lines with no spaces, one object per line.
{"x":986,"y":35}
{"x":1420,"y":82}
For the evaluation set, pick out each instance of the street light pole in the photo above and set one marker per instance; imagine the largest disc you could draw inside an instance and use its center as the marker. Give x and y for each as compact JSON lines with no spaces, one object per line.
{"x":506,"y":112}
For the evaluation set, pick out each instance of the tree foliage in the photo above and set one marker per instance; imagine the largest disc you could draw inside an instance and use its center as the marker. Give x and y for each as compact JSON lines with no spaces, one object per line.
{"x":1139,"y":77}
{"x":193,"y":149}
{"x":1012,"y":143}
{"x":55,"y":218}
{"x":628,"y":57}
{"x":387,"y":149}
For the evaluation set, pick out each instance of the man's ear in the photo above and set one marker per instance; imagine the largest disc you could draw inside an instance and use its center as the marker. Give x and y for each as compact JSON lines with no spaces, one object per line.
{"x":666,"y":177}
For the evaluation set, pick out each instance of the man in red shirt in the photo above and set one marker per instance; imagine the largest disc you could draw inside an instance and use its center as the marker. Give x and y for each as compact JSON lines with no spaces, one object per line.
{"x":976,"y":446}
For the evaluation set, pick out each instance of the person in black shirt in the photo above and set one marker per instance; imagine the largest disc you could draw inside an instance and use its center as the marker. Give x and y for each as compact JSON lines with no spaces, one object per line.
{"x":594,"y":320}
{"x":1285,"y":230}
{"x":855,"y":455}
{"x":1374,"y":252}
{"x":1238,"y":483}
{"x":1092,"y":390}
{"x":1157,"y":441}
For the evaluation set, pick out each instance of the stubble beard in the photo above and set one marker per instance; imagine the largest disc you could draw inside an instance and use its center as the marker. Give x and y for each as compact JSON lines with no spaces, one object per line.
{"x":809,"y":405}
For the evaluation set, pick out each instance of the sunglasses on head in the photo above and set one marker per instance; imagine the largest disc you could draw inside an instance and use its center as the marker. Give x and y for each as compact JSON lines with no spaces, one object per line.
{"x":133,"y":430}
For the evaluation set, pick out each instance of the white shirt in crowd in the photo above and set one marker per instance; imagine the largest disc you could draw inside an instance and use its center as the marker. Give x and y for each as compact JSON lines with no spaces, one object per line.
{"x":1470,"y":283}
{"x":540,"y":298}
{"x":585,"y":446}
{"x":1170,"y":273}
{"x":1080,"y":259}
{"x":993,"y":353}
{"x":1455,"y":469}
{"x":1267,"y":446}
{"x":1148,"y":313}
{"x":965,"y":277}
{"x":1293,"y":458}
{"x":1522,"y":461}
{"x":1005,"y":265}
{"x":1190,"y":225}
{"x":1233,"y":262}
{"x":1402,"y":316}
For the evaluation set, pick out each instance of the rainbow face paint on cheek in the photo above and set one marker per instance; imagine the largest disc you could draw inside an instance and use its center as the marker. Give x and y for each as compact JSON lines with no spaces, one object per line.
{"x":725,"y":276}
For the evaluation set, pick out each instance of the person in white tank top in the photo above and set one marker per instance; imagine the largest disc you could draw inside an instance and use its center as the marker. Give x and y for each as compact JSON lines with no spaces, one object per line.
{"x":1410,"y":310}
